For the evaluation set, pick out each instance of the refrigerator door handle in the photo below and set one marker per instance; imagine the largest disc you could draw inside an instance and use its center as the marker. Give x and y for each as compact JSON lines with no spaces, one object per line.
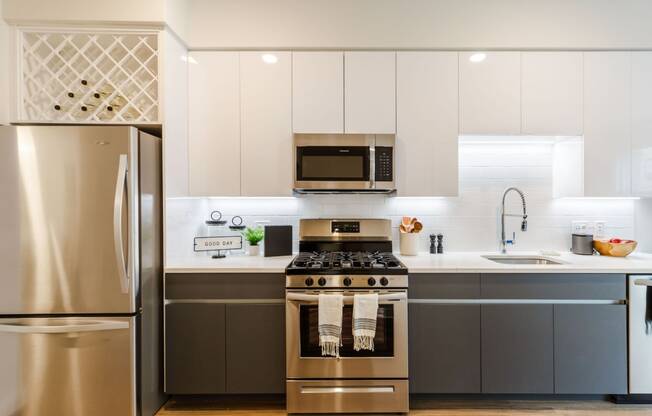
{"x":118,"y":203}
{"x":16,"y":327}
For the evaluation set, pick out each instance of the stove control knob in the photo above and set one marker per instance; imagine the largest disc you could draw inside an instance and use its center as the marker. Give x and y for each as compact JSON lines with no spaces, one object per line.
{"x":371,"y":281}
{"x":321,"y":281}
{"x":309,"y":281}
{"x":384,"y":281}
{"x":347,"y":281}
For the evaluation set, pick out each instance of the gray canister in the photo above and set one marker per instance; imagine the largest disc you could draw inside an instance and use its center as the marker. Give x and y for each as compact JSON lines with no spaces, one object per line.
{"x":582,"y":244}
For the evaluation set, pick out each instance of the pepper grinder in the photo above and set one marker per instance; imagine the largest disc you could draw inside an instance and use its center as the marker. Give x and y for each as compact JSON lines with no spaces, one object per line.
{"x":440,"y":243}
{"x":433,"y":244}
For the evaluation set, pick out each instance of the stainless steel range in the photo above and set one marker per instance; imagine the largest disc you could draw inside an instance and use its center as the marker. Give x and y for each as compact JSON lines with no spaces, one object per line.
{"x":349,"y":257}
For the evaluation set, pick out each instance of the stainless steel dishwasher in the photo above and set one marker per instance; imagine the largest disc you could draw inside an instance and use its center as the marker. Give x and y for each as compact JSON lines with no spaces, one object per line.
{"x":640,"y":334}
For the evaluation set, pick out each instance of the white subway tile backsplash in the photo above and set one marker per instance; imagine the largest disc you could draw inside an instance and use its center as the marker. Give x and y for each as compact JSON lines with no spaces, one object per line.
{"x":469,"y":222}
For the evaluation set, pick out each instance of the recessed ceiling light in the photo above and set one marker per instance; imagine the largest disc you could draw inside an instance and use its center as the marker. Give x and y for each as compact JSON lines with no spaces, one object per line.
{"x":269,"y":58}
{"x":478,"y":57}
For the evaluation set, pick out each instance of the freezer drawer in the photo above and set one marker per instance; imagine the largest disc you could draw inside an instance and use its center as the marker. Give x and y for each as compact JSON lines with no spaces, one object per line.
{"x":67,"y":367}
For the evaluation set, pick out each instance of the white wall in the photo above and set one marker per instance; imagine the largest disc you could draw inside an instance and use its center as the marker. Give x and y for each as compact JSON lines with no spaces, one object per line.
{"x":5,"y":73}
{"x":176,"y":17}
{"x":522,"y":24}
{"x":174,"y":13}
{"x":468,"y":222}
{"x":443,"y":24}
{"x":643,"y":223}
{"x":85,"y":11}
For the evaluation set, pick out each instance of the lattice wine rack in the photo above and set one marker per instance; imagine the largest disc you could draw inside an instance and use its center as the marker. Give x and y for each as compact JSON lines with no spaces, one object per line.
{"x":91,"y":77}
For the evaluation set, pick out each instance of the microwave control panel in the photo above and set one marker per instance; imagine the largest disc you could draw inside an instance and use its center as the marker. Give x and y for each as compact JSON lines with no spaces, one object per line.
{"x":384,"y":164}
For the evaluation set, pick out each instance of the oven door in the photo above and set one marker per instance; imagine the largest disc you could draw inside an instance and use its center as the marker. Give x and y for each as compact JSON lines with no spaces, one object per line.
{"x":388,"y":360}
{"x":333,"y":167}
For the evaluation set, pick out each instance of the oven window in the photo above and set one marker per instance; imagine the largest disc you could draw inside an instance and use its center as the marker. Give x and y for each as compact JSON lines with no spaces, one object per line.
{"x":333,"y":163}
{"x":383,"y":342}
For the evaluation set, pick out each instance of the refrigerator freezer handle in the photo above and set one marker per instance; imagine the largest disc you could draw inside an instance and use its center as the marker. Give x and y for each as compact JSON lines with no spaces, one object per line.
{"x":121,"y":183}
{"x":90,"y":326}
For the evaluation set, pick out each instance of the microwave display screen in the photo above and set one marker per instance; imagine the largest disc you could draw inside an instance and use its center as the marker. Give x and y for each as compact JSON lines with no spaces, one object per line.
{"x":333,"y":163}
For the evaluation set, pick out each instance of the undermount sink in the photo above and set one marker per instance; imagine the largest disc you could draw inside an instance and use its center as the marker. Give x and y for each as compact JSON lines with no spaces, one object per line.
{"x":521,"y":259}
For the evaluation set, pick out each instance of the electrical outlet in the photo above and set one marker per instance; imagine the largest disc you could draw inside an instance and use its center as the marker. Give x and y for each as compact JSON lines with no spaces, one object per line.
{"x":599,"y":229}
{"x":579,"y":227}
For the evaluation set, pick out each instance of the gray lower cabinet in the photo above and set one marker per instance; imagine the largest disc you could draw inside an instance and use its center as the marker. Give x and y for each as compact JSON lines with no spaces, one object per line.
{"x":444,"y":353}
{"x":195,"y":348}
{"x":255,"y":348}
{"x":553,"y":286}
{"x":444,"y":286}
{"x":225,"y":333}
{"x":216,"y":348}
{"x":517,"y":349}
{"x":590,"y":349}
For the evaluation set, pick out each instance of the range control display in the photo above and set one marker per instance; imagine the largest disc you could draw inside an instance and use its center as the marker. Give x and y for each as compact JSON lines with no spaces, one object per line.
{"x":345,"y":227}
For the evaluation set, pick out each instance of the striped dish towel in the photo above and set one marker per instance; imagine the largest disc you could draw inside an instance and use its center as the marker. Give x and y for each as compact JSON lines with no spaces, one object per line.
{"x":365,"y":310}
{"x":330,"y":323}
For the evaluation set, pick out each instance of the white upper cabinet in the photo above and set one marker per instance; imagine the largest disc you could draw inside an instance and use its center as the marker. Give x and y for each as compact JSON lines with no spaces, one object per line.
{"x":490,"y":93}
{"x":214,"y":123}
{"x":369,"y":92}
{"x":427,"y":123}
{"x":318,"y":92}
{"x":266,"y":123}
{"x":642,"y":124}
{"x":607,"y":124}
{"x":552,"y":93}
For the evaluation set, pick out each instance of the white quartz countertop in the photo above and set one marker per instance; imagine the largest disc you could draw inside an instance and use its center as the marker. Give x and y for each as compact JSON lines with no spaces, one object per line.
{"x":453,"y":262}
{"x":470,"y":262}
{"x":230,"y":264}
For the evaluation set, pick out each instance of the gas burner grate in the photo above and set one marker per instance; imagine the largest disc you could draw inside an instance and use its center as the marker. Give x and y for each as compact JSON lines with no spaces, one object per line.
{"x":346,"y":260}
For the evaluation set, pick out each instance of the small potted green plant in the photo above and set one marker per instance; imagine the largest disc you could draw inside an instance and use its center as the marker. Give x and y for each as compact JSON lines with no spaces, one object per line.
{"x":253,"y":236}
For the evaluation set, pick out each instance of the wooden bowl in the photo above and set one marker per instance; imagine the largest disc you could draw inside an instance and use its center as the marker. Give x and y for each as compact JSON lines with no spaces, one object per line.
{"x":621,"y":249}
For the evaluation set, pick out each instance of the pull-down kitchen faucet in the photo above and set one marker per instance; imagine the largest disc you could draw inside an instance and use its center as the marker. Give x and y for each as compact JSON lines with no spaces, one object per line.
{"x":503,"y":241}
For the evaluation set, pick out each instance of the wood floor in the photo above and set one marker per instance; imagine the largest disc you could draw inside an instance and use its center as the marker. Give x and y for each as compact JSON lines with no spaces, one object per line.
{"x":274,"y":407}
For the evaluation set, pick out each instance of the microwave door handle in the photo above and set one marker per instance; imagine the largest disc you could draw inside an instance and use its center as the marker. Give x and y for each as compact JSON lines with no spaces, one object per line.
{"x":118,"y":202}
{"x":16,"y":327}
{"x":372,"y":166}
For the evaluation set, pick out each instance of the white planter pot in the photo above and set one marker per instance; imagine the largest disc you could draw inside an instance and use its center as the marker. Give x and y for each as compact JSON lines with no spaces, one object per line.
{"x":409,"y":244}
{"x":254,"y":250}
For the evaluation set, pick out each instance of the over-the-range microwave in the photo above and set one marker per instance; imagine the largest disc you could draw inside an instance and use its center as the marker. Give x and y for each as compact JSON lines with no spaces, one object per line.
{"x":334,"y":163}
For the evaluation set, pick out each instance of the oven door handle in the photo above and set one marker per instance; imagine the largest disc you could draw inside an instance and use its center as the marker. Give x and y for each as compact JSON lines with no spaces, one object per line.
{"x":345,"y":390}
{"x":385,"y":297}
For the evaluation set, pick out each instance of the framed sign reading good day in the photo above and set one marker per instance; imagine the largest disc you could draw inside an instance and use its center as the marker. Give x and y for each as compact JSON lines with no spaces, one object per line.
{"x":218,"y":244}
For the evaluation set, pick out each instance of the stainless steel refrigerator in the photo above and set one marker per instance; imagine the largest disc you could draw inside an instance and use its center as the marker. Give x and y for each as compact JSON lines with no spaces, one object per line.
{"x":80,"y":271}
